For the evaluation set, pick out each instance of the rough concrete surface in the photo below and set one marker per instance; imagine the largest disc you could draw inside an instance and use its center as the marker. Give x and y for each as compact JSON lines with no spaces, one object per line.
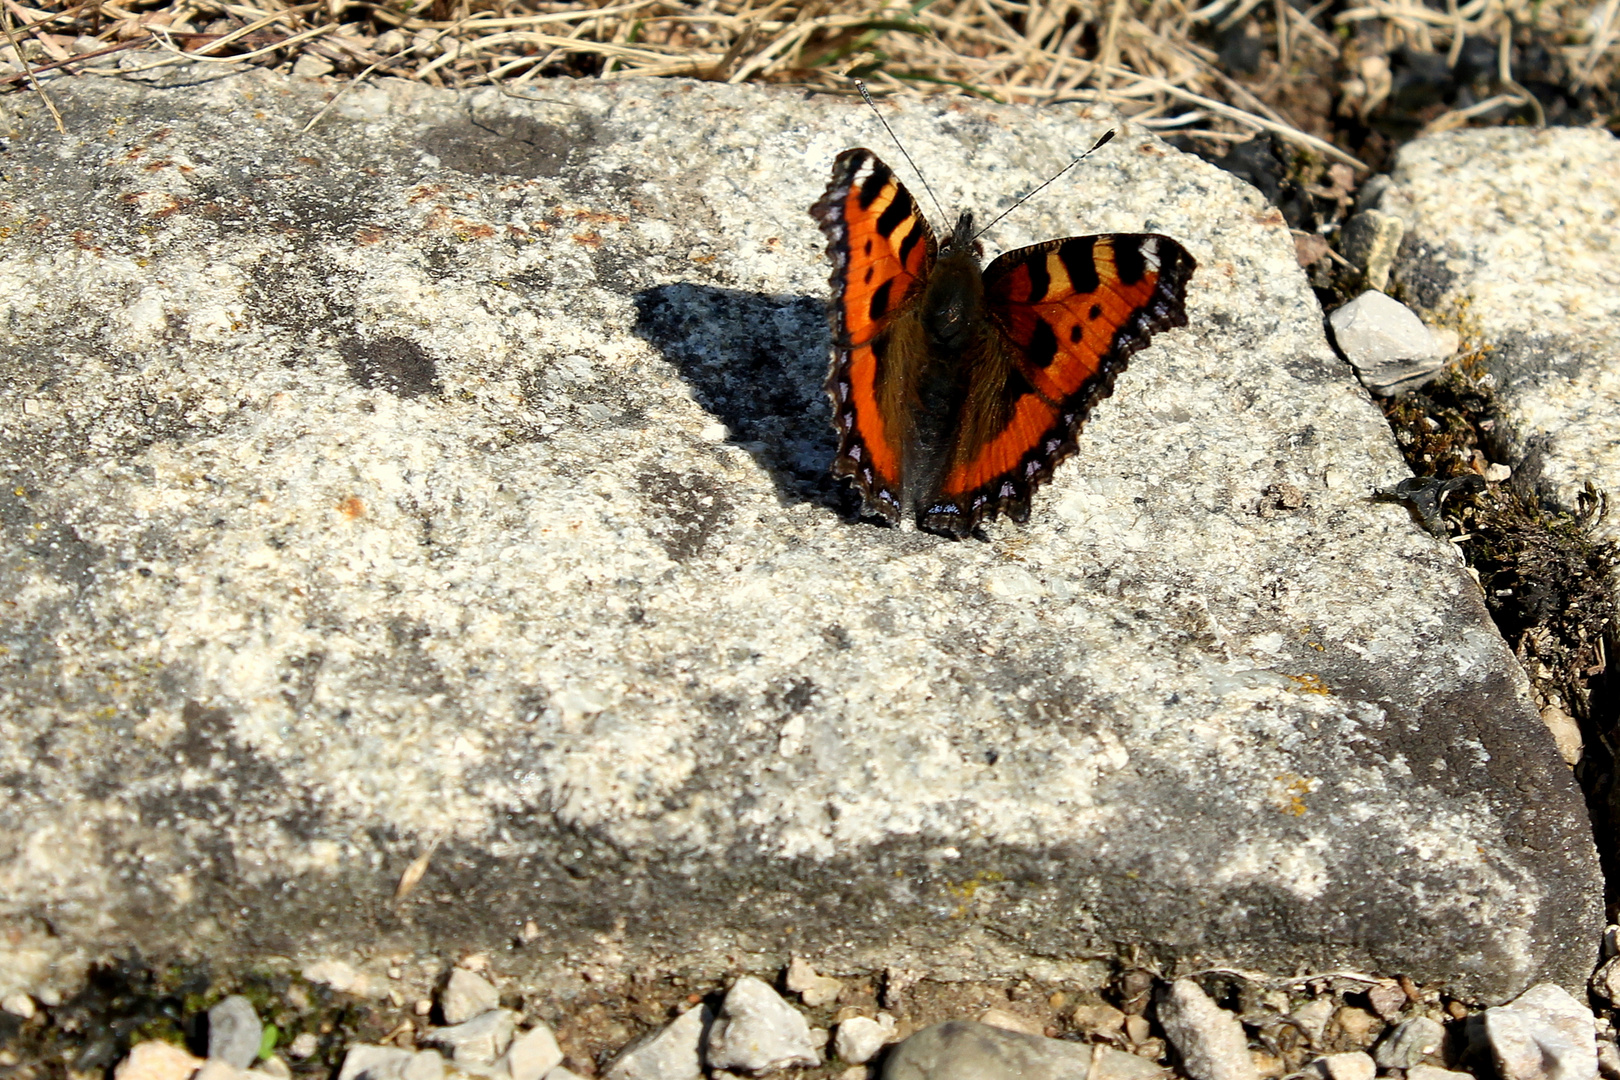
{"x":1513,"y":235}
{"x":439,"y":497}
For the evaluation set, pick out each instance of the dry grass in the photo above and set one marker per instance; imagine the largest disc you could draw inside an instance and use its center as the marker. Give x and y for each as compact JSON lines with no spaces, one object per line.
{"x":1153,"y":59}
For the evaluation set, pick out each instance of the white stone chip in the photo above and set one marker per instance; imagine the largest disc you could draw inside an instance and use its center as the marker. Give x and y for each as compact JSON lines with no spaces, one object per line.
{"x":1313,"y":1016}
{"x":1434,"y":1072}
{"x":18,"y":1005}
{"x":1356,"y":1065}
{"x":219,"y":1069}
{"x":367,"y":1062}
{"x":1409,"y":1042}
{"x":533,"y":1054}
{"x":479,"y":1041}
{"x":813,"y":989}
{"x":859,"y":1038}
{"x":1209,"y":1039}
{"x":338,"y":974}
{"x":1386,"y":343}
{"x":674,"y":1052}
{"x":467,"y":995}
{"x":273,"y":1068}
{"x":759,"y":1032}
{"x":156,"y":1060}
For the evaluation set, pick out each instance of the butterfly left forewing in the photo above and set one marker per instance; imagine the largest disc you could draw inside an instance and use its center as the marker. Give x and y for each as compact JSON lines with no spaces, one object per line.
{"x":881,"y":250}
{"x":1068,"y":314}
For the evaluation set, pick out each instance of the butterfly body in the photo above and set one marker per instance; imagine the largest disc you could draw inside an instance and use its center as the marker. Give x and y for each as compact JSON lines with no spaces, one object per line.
{"x":956,"y":390}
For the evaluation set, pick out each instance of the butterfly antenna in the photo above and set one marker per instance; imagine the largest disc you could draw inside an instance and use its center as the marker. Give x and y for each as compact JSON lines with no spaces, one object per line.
{"x":1098,"y":145}
{"x":861,"y":86}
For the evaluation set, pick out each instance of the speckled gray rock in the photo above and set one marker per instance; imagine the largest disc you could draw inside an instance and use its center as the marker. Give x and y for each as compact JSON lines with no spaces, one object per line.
{"x":674,"y":1052}
{"x":1514,"y":235}
{"x":757,"y":1032}
{"x":1409,"y":1042}
{"x":234,"y":1031}
{"x":1544,"y":1034}
{"x":1208,"y":1039}
{"x":964,"y":1050}
{"x":450,"y":482}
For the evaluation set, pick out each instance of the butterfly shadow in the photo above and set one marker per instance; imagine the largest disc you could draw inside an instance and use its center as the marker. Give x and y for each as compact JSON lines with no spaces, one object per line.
{"x":756,"y":362}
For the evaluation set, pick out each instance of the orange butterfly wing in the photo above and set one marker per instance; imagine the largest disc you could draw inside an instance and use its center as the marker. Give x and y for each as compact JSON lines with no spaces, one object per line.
{"x":882,"y":251}
{"x":1071,"y":312}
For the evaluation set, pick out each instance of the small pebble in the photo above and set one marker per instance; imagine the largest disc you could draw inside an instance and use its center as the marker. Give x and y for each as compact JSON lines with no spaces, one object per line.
{"x":1543,"y":1034}
{"x":1209,"y":1039}
{"x":533,"y":1054}
{"x":479,"y":1041}
{"x":1409,"y":1042}
{"x":1371,"y":241}
{"x":1387,"y":1002}
{"x":674,"y":1052}
{"x":337,"y":974}
{"x":18,"y":1005}
{"x":303,"y":1046}
{"x":1387,"y":344}
{"x":366,"y":1062}
{"x":757,"y":1031}
{"x":1099,"y":1020}
{"x":860,"y":1038}
{"x":963,"y":1050}
{"x":1355,"y":1065}
{"x":1430,"y":1072}
{"x":813,"y":989}
{"x":1312,"y":1018}
{"x":155,"y":1060}
{"x":1355,"y":1024}
{"x":273,"y":1068}
{"x":1138,"y":1030}
{"x":219,"y":1069}
{"x":234,"y":1032}
{"x":467,"y":995}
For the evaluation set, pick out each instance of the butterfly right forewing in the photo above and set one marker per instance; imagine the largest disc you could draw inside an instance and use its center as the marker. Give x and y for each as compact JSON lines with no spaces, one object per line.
{"x":881,"y":250}
{"x":1071,"y":313}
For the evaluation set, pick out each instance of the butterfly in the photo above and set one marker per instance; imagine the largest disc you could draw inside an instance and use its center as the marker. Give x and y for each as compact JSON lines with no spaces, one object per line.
{"x":956,"y":391}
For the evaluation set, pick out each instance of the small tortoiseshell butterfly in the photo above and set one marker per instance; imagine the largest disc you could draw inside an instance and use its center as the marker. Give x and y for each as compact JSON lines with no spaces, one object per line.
{"x":957,"y":391}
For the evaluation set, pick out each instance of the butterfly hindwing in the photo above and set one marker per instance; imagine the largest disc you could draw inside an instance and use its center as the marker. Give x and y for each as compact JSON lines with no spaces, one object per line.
{"x":882,"y":251}
{"x":1072,"y":312}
